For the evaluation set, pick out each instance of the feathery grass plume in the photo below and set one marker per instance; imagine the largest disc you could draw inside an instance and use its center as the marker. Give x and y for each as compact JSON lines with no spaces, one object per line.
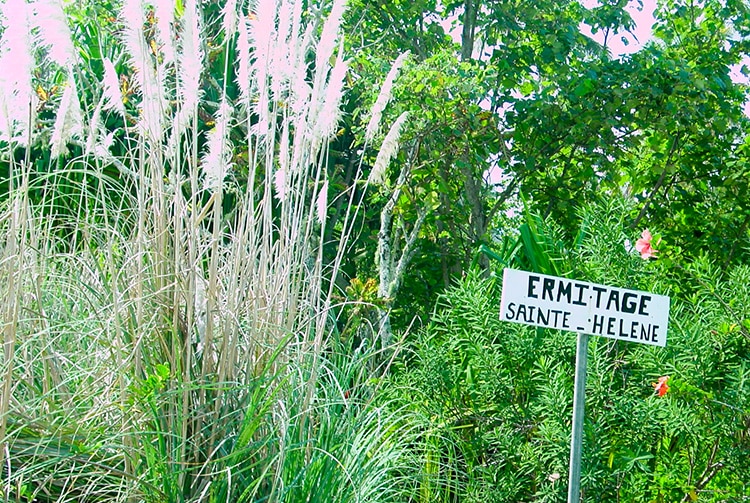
{"x":282,"y":54}
{"x":383,"y":98}
{"x":54,"y":31}
{"x":327,"y":42}
{"x":243,"y":60}
{"x":297,"y":17}
{"x":98,"y":143}
{"x":279,"y":183}
{"x":191,"y":54}
{"x":95,"y":127}
{"x":323,"y":54}
{"x":111,"y":89}
{"x":69,"y":120}
{"x":301,"y":90}
{"x":101,"y":150}
{"x":280,"y":175}
{"x":387,"y":151}
{"x":16,"y":70}
{"x":152,"y":104}
{"x":330,"y":111}
{"x":217,"y":160}
{"x":229,"y":19}
{"x":190,"y":60}
{"x":262,"y":40}
{"x":299,"y":44}
{"x":164,"y":13}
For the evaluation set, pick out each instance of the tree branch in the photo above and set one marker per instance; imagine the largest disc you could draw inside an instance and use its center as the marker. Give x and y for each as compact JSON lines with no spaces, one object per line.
{"x":407,"y":253}
{"x":502,"y":198}
{"x":712,"y":468}
{"x":467,"y":34}
{"x":658,"y":185}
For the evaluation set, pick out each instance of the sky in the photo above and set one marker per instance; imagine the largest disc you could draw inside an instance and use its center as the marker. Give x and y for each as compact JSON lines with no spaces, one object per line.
{"x":642,"y":13}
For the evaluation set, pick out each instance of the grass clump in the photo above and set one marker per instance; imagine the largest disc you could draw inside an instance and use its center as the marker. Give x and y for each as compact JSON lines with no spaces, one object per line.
{"x":168,"y":307}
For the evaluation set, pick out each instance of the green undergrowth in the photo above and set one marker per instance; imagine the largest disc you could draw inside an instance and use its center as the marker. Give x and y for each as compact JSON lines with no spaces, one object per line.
{"x":82,"y":427}
{"x":499,"y":395}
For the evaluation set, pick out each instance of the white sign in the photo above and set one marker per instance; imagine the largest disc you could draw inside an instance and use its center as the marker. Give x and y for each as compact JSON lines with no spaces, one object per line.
{"x":578,"y":306}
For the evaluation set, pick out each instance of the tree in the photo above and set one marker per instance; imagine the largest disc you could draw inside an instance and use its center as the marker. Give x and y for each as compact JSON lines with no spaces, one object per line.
{"x":557,"y":118}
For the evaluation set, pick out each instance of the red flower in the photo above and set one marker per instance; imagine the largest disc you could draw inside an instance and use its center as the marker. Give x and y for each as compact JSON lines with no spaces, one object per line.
{"x":643,"y":245}
{"x":661,"y":387}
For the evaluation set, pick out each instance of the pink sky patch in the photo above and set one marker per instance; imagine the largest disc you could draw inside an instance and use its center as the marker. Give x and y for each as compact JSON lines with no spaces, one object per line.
{"x":624,"y":42}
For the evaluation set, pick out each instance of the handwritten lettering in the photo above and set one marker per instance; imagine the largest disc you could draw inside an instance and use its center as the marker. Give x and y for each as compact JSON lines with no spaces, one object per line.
{"x":565,"y":304}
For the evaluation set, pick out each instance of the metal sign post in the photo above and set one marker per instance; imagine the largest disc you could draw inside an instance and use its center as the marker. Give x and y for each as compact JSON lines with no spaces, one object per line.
{"x":587,"y":308}
{"x":576,"y":438}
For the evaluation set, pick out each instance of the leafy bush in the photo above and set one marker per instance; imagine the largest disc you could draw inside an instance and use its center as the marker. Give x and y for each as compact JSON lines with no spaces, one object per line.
{"x":502,"y":393}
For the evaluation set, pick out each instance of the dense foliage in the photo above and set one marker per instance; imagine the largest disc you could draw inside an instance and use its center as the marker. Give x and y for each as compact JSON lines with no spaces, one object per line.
{"x":500,"y":395}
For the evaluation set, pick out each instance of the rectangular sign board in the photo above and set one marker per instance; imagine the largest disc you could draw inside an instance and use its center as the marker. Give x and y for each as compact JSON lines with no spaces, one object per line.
{"x":579,"y":306}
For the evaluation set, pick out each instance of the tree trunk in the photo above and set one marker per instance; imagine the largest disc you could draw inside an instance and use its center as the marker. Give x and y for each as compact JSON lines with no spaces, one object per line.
{"x":467,"y":34}
{"x":478,"y":223}
{"x":394,"y":254}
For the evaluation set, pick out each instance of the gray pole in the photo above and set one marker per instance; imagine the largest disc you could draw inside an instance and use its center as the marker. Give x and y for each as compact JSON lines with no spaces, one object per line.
{"x":576,"y":437}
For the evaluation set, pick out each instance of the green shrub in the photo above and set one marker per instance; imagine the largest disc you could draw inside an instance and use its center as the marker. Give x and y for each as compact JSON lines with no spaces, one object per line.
{"x":501,"y":394}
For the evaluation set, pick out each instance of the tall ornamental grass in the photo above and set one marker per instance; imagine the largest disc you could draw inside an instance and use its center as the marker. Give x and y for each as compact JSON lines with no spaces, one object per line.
{"x":166,"y":303}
